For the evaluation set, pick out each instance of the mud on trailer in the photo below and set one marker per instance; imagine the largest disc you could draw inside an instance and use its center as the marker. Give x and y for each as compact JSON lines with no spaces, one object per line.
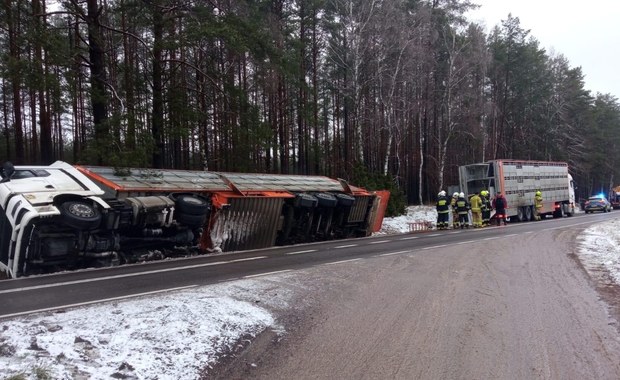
{"x":64,"y":217}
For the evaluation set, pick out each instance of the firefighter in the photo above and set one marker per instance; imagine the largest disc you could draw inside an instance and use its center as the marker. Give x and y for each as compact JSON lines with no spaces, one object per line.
{"x":462,"y":208}
{"x":538,"y":204}
{"x":443,"y":210}
{"x":455,"y":214}
{"x":476,"y":210}
{"x":486,"y":208}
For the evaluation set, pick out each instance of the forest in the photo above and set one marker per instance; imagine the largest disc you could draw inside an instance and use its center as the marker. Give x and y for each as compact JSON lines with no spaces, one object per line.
{"x":389,"y":94}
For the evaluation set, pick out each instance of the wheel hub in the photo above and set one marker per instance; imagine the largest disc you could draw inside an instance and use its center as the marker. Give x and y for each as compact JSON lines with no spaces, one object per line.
{"x":81,"y":210}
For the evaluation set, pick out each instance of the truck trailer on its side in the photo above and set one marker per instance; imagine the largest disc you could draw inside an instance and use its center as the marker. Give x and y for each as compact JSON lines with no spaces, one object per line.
{"x":519,"y":180}
{"x":63,"y":217}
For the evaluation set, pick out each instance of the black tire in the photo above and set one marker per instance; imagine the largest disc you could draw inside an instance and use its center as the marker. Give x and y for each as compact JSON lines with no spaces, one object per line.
{"x":326,"y":199}
{"x":191,"y":205}
{"x":306,"y":201}
{"x":194,"y":221}
{"x":80,"y":215}
{"x":529,"y":215}
{"x":520,"y":214}
{"x":345,"y":200}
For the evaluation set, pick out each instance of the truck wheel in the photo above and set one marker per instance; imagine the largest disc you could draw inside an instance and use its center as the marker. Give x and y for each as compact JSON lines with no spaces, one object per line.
{"x":194,"y":221}
{"x":80,"y":215}
{"x":306,"y":200}
{"x":520,"y":216}
{"x":192,"y":205}
{"x":528,"y":213}
{"x":345,"y":200}
{"x":326,"y":199}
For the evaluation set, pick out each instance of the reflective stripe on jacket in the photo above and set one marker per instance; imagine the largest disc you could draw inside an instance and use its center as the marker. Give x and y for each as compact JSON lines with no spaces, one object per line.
{"x":476,"y":203}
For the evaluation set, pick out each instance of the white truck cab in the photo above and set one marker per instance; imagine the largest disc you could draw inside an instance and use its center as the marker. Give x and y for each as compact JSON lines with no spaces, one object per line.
{"x":32,"y":197}
{"x":55,"y":217}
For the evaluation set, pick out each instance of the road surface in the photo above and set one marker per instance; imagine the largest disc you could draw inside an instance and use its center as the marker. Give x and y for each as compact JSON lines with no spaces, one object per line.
{"x":517,"y":307}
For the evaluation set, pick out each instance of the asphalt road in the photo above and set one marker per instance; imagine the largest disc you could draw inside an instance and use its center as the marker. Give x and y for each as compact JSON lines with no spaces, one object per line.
{"x":69,"y":289}
{"x":502,"y":303}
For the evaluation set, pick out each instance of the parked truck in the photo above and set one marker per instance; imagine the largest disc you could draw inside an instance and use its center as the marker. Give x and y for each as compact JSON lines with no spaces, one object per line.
{"x":519,"y":180}
{"x":63,"y":217}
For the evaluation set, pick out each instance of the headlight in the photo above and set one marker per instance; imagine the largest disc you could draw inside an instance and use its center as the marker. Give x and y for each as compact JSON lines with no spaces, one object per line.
{"x":47,"y":209}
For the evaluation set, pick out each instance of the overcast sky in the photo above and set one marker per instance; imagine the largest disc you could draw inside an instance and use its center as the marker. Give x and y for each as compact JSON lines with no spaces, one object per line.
{"x":585,"y":32}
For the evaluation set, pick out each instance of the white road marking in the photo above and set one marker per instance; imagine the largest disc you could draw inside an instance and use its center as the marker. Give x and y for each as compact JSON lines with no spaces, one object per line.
{"x":466,"y":242}
{"x":298,"y":252}
{"x":393,"y":253}
{"x":434,"y":235}
{"x":267,"y":273}
{"x":345,"y":246}
{"x":379,"y":242}
{"x":95,"y":302}
{"x":410,"y":238}
{"x":342,"y":261}
{"x":436,"y":246}
{"x":127,"y":275}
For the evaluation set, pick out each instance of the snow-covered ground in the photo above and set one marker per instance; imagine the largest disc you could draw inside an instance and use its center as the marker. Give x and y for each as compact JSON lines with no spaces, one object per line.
{"x":179,"y":334}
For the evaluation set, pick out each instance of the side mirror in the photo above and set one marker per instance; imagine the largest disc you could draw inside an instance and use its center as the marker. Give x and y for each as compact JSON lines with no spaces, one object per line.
{"x":7,"y":171}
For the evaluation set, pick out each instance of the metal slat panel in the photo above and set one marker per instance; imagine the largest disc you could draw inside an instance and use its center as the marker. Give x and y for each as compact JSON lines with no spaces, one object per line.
{"x":273,"y":182}
{"x":136,"y":179}
{"x":249,"y":223}
{"x":359,"y":209}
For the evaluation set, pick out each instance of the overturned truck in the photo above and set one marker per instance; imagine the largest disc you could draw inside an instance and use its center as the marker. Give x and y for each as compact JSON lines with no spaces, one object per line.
{"x":64,"y":217}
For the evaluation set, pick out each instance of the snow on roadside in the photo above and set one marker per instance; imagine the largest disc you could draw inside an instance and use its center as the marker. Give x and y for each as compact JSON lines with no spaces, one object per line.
{"x":176,"y":335}
{"x":169,"y":336}
{"x":400,"y":224}
{"x":600,"y":249}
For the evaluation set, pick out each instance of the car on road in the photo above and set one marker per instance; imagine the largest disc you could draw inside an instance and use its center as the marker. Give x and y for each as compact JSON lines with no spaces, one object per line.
{"x":597,"y":203}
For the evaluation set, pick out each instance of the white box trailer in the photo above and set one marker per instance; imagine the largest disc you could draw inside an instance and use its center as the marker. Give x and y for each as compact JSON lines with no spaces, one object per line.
{"x":519,"y":180}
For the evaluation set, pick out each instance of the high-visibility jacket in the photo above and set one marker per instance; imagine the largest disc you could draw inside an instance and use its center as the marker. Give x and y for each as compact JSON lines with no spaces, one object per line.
{"x":462,"y":207}
{"x":476,"y":203}
{"x":443,"y":205}
{"x":486,"y":204}
{"x":538,"y":201}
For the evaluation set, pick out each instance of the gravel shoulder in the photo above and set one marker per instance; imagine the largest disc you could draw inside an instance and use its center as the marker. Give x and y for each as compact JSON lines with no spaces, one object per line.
{"x":517,"y":308}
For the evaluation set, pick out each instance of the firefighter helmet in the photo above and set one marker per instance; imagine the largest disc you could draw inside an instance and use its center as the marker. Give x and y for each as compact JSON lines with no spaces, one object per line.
{"x":462,"y":194}
{"x":442,"y":193}
{"x":538,"y":193}
{"x":455,"y":195}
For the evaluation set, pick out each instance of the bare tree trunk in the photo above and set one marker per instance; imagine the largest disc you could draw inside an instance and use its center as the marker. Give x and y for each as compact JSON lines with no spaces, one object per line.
{"x":38,"y":9}
{"x":157,"y":127}
{"x":15,"y":77}
{"x":302,"y":137}
{"x":315,"y":95}
{"x":421,"y":163}
{"x":5,"y":118}
{"x":96,"y":53}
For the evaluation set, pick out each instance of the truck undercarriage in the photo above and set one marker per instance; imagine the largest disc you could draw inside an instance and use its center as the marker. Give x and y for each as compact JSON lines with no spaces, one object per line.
{"x":103,"y":221}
